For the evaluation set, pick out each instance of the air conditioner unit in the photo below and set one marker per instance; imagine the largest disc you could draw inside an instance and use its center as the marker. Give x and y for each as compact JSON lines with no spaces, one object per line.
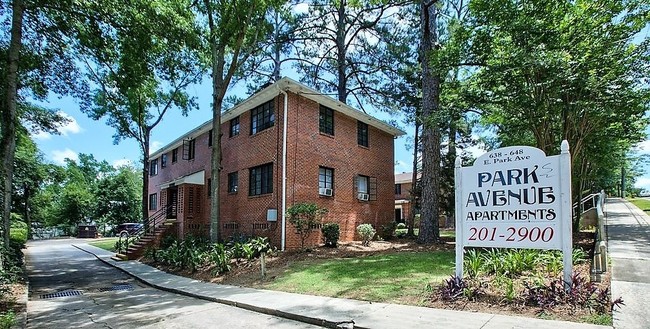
{"x":325,"y":191}
{"x":363,"y":196}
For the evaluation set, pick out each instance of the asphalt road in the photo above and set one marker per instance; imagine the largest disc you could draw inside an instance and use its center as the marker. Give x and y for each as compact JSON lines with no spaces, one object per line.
{"x":69,"y":288}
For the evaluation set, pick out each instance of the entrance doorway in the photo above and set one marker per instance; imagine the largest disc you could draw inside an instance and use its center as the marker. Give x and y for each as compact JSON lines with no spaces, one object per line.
{"x":398,"y":215}
{"x":172,"y":202}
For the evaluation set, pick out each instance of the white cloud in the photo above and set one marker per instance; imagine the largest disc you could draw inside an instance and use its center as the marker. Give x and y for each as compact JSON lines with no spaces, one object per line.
{"x":122,"y":163}
{"x":69,"y":128}
{"x":59,"y":156}
{"x":42,"y":135}
{"x":476,"y":150}
{"x":643,"y":147}
{"x":155,"y":146}
{"x":301,"y":8}
{"x":643,"y":182}
{"x":401,"y":166}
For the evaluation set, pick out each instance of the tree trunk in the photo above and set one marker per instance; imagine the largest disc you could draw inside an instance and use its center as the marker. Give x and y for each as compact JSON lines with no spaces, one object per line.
{"x":414,"y":180}
{"x":277,"y":46}
{"x":8,"y":134}
{"x":145,"y":175}
{"x":218,"y":89}
{"x":219,"y":85}
{"x":450,"y":196}
{"x":27,"y":214}
{"x":340,"y":52}
{"x":429,"y":230}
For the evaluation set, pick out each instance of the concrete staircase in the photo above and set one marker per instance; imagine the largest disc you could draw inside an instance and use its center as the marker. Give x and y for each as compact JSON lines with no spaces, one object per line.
{"x":150,"y":238}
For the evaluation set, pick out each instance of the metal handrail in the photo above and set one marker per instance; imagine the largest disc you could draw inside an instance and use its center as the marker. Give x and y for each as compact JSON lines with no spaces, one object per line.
{"x":584,"y":200}
{"x":149,"y":227}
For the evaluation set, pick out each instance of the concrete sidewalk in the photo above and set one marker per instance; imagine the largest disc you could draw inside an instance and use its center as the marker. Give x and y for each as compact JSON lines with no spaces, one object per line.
{"x":326,"y":311}
{"x":628,"y":234}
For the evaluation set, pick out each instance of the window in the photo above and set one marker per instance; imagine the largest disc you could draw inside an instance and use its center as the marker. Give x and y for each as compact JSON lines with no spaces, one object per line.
{"x":362,"y":184}
{"x":362,"y":133}
{"x":175,"y":155}
{"x":325,"y":181}
{"x":210,"y":137}
{"x":233,"y":182}
{"x":398,"y":189}
{"x":209,"y":187}
{"x":366,"y":188}
{"x":189,"y":147}
{"x":163,"y":160}
{"x":262,"y":117}
{"x":326,"y":120}
{"x":153,"y":167}
{"x":261,"y":180}
{"x":153,"y":201}
{"x":234,"y":127}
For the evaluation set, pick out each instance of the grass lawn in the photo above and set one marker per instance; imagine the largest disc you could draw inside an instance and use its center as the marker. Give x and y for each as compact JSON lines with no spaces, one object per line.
{"x":393,"y":278}
{"x":643,"y":204}
{"x":105,"y":243}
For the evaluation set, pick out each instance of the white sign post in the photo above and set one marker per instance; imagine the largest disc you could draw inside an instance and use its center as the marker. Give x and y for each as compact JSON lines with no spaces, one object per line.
{"x":515,"y":197}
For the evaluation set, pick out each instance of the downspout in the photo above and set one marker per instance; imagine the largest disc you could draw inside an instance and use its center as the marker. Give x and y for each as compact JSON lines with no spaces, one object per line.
{"x":284,"y":170}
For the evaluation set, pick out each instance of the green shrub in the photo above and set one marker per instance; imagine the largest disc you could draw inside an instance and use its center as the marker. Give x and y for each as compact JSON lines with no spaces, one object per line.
{"x":259,"y":245}
{"x":305,"y":217}
{"x":246,"y":251}
{"x":367,"y":232}
{"x":331,"y":234}
{"x":388,"y":230}
{"x":196,"y":252}
{"x":7,"y":320}
{"x":401,"y":226}
{"x":219,"y":257}
{"x":18,"y":235}
{"x":18,"y":231}
{"x":473,"y":263}
{"x":579,"y":256}
{"x":167,"y":241}
{"x":122,"y":244}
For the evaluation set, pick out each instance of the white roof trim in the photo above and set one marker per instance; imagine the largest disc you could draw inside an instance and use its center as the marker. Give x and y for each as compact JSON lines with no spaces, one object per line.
{"x":197,"y":178}
{"x":269,"y":93}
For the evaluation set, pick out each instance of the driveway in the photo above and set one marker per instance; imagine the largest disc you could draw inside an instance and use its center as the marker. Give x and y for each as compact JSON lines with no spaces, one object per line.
{"x":70,"y":288}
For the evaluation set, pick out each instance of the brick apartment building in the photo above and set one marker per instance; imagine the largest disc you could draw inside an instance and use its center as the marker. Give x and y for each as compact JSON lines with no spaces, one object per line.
{"x":336,"y":156}
{"x":403,"y":205}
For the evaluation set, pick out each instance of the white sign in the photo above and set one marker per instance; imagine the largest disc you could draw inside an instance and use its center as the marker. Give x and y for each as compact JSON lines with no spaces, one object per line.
{"x":514,"y":197}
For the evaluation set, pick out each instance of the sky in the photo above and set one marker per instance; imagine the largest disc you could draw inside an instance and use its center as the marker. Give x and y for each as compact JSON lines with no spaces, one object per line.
{"x":84,"y":135}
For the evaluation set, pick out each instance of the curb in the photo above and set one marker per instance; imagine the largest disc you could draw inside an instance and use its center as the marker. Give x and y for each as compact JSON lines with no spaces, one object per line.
{"x":268,"y":311}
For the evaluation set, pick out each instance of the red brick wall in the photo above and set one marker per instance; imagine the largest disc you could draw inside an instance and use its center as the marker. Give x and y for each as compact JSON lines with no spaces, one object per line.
{"x":405,"y":195}
{"x":310,"y":149}
{"x":406,"y":192}
{"x":307,"y":149}
{"x":179,"y":169}
{"x":240,"y":213}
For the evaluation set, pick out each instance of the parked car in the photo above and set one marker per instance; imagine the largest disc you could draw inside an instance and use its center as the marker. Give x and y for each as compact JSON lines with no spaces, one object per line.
{"x":127,"y":228}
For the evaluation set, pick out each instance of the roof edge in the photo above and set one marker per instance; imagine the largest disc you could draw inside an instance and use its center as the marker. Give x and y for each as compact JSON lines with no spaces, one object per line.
{"x":286,"y":84}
